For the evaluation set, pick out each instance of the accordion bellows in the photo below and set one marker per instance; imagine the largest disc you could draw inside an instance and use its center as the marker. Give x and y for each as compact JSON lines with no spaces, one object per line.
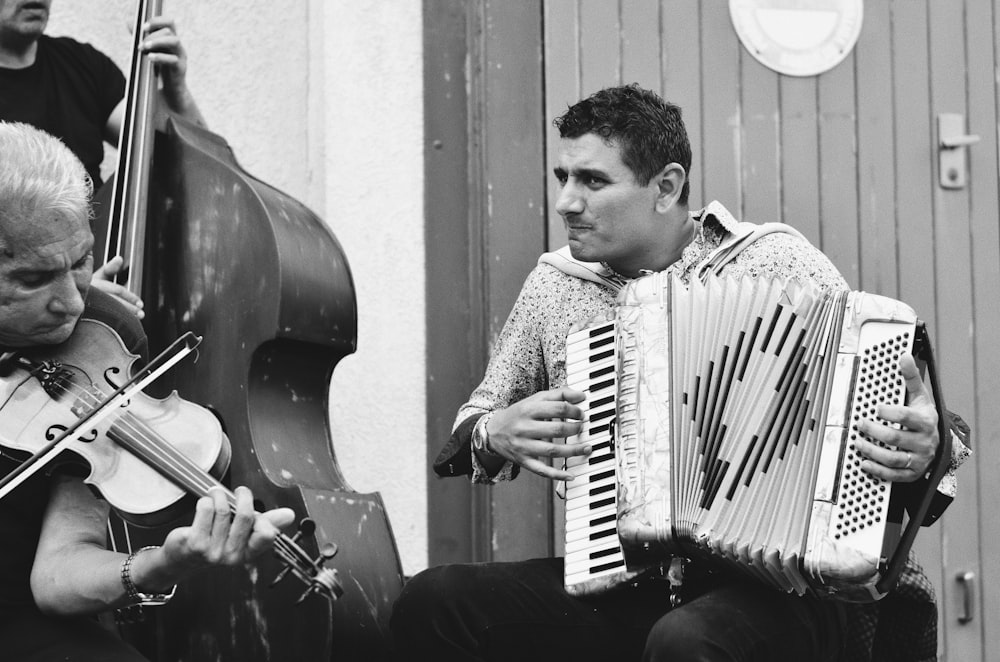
{"x":735,"y":403}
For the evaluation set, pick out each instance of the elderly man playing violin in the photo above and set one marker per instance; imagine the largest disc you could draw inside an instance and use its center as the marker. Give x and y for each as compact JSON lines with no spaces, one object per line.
{"x":56,"y":573}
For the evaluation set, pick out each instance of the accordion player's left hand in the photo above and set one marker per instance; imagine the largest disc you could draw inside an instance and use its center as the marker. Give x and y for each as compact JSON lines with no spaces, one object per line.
{"x":912,"y":445}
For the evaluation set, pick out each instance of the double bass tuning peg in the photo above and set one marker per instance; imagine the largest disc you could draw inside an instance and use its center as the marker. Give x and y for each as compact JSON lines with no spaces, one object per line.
{"x":319,"y":579}
{"x":325,"y":581}
{"x":307,"y":527}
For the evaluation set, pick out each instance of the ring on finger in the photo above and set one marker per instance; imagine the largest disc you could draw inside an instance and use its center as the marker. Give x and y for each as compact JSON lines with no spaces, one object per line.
{"x":909,"y":460}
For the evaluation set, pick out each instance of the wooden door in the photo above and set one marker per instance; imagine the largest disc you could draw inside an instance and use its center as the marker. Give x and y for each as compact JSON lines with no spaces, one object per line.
{"x":849,"y":157}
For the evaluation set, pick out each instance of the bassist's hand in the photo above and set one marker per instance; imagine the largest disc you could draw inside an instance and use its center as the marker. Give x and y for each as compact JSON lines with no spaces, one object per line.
{"x":102,"y":280}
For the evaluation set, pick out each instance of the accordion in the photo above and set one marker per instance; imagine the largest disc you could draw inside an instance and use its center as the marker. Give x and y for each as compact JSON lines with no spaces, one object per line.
{"x":721,"y":417}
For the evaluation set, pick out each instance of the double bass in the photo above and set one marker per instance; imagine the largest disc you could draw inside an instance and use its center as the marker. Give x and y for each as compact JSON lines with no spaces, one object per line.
{"x":216,"y":251}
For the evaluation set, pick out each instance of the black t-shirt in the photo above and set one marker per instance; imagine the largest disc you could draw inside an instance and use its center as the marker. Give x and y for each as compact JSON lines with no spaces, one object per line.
{"x":22,"y":510}
{"x":69,"y":91}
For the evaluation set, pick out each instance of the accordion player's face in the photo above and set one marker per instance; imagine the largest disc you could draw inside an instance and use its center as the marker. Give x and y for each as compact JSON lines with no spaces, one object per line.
{"x":609,"y":216}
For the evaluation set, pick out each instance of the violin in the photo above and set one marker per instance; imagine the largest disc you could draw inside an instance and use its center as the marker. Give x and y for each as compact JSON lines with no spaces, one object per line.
{"x":146,"y":455}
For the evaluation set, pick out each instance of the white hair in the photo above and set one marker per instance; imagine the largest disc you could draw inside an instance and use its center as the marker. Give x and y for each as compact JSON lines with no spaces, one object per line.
{"x":40,"y":178}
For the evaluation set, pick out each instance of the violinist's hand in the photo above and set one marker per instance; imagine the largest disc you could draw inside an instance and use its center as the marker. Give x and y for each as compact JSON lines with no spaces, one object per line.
{"x":524,"y":432}
{"x":219,"y":537}
{"x":163,"y":48}
{"x":102,"y":281}
{"x":916,"y":442}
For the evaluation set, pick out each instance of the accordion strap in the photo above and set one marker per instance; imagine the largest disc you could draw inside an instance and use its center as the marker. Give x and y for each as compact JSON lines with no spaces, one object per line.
{"x":740,"y":236}
{"x":595,"y":272}
{"x":923,"y":350}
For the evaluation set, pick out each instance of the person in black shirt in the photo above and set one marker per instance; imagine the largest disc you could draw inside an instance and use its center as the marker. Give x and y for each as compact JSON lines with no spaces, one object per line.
{"x":72,"y":90}
{"x":76,"y":93}
{"x":55,"y":569}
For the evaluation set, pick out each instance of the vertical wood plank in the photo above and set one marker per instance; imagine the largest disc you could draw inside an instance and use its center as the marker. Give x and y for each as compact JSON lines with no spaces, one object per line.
{"x":600,"y":45}
{"x":876,"y":180}
{"x":800,"y":156}
{"x":838,"y":189}
{"x":954,"y":337}
{"x":562,"y":89}
{"x":914,"y":156}
{"x":512,"y":150}
{"x":759,"y":162}
{"x":513,"y":205}
{"x":721,"y":140}
{"x":640,"y":43}
{"x":451,"y":311}
{"x":681,"y":67}
{"x":982,"y":34}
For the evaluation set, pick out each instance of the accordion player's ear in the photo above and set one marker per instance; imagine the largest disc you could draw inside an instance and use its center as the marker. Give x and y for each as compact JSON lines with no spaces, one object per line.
{"x":670,"y":182}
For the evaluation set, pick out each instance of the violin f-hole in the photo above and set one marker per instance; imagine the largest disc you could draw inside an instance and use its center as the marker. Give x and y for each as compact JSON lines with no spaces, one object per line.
{"x":55,"y":430}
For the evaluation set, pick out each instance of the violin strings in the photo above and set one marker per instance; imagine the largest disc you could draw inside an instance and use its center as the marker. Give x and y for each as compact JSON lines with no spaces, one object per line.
{"x":183,"y":466}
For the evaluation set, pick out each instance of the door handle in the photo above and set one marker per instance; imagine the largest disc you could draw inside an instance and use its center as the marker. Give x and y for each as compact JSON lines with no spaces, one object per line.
{"x":967,"y":582}
{"x":959,"y":141}
{"x":952,"y":144}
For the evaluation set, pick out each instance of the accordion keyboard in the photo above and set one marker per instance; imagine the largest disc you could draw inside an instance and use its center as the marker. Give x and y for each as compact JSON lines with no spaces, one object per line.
{"x":593,"y":551}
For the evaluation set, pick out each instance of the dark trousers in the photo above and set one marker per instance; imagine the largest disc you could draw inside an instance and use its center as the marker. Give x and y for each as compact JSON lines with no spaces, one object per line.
{"x":520,"y":612}
{"x":32,"y":637}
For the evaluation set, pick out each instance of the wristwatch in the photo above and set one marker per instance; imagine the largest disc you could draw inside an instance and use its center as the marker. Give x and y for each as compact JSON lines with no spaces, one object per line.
{"x":481,"y":437}
{"x":135,"y":596}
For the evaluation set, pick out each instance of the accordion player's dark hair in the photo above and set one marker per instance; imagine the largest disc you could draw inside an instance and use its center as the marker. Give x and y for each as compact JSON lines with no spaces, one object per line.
{"x":649,"y":131}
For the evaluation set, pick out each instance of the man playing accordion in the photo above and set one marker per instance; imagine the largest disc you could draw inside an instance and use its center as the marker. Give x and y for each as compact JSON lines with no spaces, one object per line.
{"x":623,"y":169}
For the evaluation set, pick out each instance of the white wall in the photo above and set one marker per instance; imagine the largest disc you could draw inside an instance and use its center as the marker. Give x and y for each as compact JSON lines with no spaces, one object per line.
{"x":323,"y":99}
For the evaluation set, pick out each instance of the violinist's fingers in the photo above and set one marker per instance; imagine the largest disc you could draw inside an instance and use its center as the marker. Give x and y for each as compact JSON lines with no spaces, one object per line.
{"x":234,"y":550}
{"x":266,"y":527}
{"x":221,"y":523}
{"x":199,"y":534}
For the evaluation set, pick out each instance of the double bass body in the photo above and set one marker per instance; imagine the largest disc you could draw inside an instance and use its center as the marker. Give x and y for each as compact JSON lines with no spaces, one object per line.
{"x":267,"y":285}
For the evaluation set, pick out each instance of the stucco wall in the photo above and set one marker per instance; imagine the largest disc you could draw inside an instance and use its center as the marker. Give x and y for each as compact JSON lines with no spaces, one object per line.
{"x":323,"y":100}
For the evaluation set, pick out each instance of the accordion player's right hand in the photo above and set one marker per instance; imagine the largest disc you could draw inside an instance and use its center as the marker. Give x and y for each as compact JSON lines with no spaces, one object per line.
{"x":527,"y":431}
